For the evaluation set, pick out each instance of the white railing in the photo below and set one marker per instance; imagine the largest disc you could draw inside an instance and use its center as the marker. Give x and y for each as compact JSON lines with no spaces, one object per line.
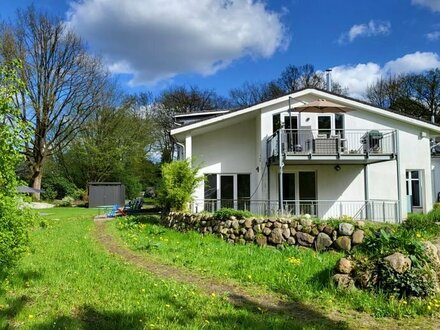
{"x":374,"y":210}
{"x":332,"y":142}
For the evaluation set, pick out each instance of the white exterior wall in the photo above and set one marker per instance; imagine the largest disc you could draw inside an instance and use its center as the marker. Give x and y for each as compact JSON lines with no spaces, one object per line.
{"x":435,"y":173}
{"x":241,"y":148}
{"x":229,"y":150}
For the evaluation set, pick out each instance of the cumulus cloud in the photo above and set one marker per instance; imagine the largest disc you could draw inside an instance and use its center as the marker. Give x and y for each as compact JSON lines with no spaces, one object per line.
{"x":370,"y":29}
{"x":358,"y":77}
{"x":159,"y":39}
{"x":433,"y":36}
{"x":433,"y":5}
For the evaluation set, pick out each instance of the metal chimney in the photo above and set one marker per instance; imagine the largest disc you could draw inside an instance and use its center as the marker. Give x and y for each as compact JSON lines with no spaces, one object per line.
{"x":328,"y":77}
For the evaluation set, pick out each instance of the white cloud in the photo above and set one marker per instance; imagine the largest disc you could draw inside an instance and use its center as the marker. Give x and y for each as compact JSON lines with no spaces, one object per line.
{"x":159,"y":39}
{"x":433,"y":5}
{"x":433,"y":36}
{"x":358,"y":77}
{"x":371,"y":29}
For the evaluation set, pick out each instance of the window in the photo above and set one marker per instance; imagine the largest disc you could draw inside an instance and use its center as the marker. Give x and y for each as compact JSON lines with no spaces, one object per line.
{"x":413,"y":188}
{"x":339,"y":125}
{"x":234,"y":191}
{"x":276,"y":123}
{"x":324,"y":125}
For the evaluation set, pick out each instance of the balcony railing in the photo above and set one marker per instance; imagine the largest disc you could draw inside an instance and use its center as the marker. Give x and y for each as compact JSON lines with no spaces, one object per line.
{"x":331,"y":142}
{"x":374,"y":210}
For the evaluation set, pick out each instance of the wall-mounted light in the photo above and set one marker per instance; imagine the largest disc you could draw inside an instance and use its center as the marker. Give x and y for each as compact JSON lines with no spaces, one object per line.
{"x":337,"y":168}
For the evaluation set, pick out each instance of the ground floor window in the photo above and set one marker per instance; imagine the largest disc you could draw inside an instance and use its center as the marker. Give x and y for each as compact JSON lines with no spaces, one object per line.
{"x":299,"y":192}
{"x":413,"y":189}
{"x":227,"y":190}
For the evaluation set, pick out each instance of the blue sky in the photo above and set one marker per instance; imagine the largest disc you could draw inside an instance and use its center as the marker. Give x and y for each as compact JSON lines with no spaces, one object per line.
{"x":220,"y":44}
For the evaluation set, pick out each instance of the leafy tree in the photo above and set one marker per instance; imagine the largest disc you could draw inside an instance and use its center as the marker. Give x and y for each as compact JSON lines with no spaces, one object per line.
{"x":13,"y":219}
{"x":113,"y":147}
{"x":63,"y":83}
{"x":179,"y":181}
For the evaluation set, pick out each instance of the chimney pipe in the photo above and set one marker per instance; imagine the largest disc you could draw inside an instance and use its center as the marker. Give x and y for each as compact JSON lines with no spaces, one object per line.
{"x":328,"y":77}
{"x":433,"y":119}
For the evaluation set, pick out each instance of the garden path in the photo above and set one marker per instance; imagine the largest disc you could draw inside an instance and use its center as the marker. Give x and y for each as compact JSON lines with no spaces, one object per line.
{"x":246,"y":297}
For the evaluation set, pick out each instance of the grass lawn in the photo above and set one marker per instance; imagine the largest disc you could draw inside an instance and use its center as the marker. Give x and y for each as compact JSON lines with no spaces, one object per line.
{"x":299,"y":273}
{"x":68,"y":281}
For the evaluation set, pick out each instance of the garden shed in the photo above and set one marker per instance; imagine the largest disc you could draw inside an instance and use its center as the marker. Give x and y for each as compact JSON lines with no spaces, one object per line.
{"x":106,"y":193}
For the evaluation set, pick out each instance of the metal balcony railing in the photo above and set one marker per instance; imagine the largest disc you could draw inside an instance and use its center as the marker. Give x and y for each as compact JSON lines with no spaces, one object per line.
{"x":331,"y":142}
{"x":374,"y":210}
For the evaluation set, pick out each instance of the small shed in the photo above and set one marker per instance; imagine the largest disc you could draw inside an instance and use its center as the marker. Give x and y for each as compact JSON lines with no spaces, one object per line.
{"x":106,"y":193}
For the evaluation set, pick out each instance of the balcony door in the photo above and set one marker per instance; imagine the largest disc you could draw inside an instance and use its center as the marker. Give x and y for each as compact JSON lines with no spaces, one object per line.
{"x":227,"y":191}
{"x":299,"y":192}
{"x":414,"y":191}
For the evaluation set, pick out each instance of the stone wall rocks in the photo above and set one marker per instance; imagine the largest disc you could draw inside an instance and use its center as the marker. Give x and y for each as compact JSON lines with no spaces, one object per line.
{"x":300,"y":231}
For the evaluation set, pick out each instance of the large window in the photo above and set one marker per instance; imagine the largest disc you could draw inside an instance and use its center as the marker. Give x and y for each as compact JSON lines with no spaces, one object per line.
{"x":324,"y":125}
{"x":227,"y":190}
{"x":413,"y":188}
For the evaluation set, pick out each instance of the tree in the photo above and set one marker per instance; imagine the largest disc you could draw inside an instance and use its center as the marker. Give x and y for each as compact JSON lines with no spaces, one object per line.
{"x":387,"y":91}
{"x":427,"y":92}
{"x":113,"y":147}
{"x":252,"y":93}
{"x":13,"y":219}
{"x":178,"y":100}
{"x":63,"y":83}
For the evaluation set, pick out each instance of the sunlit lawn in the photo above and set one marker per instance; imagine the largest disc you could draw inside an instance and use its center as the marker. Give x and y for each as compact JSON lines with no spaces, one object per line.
{"x":300,"y":273}
{"x":68,"y":281}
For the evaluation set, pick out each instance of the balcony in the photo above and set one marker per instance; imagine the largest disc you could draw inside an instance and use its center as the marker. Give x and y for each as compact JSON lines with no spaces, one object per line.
{"x":332,"y":146}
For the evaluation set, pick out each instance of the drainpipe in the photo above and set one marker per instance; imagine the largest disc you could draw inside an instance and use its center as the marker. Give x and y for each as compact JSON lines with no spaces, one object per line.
{"x":399,"y":184}
{"x":183,"y":149}
{"x":328,"y":79}
{"x":281,"y":164}
{"x":366,"y":193}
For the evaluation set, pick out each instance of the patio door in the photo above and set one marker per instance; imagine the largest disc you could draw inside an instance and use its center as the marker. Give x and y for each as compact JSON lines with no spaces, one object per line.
{"x":299,"y":192}
{"x":291,"y":126}
{"x":227,"y":191}
{"x":414,"y":191}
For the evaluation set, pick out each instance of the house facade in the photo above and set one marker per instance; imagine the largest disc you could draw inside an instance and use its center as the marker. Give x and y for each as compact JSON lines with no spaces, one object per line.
{"x":352,"y":160}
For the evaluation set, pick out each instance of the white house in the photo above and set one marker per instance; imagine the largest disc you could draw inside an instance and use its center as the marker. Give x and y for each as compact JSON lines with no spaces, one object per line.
{"x":355,"y":160}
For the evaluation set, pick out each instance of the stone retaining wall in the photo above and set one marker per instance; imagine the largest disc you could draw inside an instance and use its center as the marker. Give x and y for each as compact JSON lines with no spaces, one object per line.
{"x":276,"y":232}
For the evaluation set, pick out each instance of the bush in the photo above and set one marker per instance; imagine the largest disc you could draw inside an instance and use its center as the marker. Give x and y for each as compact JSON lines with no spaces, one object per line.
{"x":179,"y":182}
{"x":434,"y":215}
{"x":60,"y":186}
{"x":226,"y":213}
{"x":66,"y":202}
{"x":422,"y":225}
{"x":436,"y":206}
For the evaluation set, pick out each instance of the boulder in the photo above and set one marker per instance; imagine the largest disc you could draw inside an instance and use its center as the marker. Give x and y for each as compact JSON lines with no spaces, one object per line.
{"x":241,"y":241}
{"x":432,"y":252}
{"x":322,"y":242}
{"x":292,"y":232}
{"x":314,"y":231}
{"x":276,"y":236}
{"x":291,"y":240}
{"x":346,"y":229}
{"x":360,"y":224}
{"x":334,"y":235}
{"x":344,"y":266}
{"x":305,"y":222}
{"x":306,"y":229}
{"x":343,"y":243}
{"x":398,"y":262}
{"x":328,"y":230}
{"x":343,"y":281}
{"x":267,"y":231}
{"x":358,"y":237}
{"x":304,"y":239}
{"x":261,"y":240}
{"x":235,"y":224}
{"x":250,"y":235}
{"x":277,"y":224}
{"x":248,"y":223}
{"x":286,"y":232}
{"x":321,"y":226}
{"x":257,"y":229}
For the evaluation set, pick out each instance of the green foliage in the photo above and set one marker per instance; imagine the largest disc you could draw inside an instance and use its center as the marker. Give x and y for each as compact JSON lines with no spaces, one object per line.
{"x":13,"y":132}
{"x":436,"y":206}
{"x":422,"y":225}
{"x":226,"y":213}
{"x":434,"y":215}
{"x":418,"y":282}
{"x":58,"y":187}
{"x":179,"y":181}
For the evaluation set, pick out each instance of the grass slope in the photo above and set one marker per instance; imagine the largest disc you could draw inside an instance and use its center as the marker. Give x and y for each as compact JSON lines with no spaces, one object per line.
{"x":299,"y":273}
{"x":67,"y":281}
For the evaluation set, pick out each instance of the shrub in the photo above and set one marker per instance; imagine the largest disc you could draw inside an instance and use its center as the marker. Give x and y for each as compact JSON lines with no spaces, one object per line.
{"x":66,"y":201}
{"x":179,"y":181}
{"x":61,"y":186}
{"x":436,"y":206}
{"x":226,"y":213}
{"x":422,"y":225}
{"x":434,"y":215}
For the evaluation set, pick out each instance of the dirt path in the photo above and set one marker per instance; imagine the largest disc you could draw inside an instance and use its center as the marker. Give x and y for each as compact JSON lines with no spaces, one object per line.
{"x":243,"y":298}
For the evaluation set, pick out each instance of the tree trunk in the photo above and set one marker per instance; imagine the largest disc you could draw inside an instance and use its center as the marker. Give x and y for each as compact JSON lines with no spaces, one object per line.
{"x":36,"y":181}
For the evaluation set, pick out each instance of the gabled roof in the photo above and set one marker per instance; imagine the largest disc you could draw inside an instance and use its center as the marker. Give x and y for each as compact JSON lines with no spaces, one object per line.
{"x":318,"y":93}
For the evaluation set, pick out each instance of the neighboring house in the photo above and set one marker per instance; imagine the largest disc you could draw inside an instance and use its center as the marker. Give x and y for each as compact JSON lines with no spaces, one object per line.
{"x":359,"y":161}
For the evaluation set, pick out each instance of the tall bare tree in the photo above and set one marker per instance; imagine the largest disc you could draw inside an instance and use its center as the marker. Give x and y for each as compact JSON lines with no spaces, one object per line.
{"x":63,"y":82}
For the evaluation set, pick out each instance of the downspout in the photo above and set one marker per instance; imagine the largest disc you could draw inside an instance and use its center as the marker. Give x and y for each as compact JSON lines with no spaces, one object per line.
{"x":399,"y":184}
{"x":183,"y":149}
{"x":366,"y":193}
{"x":281,"y":164}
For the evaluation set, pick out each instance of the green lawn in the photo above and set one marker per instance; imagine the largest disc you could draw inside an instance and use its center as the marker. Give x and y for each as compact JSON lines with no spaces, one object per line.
{"x":299,"y":273}
{"x":68,"y":281}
